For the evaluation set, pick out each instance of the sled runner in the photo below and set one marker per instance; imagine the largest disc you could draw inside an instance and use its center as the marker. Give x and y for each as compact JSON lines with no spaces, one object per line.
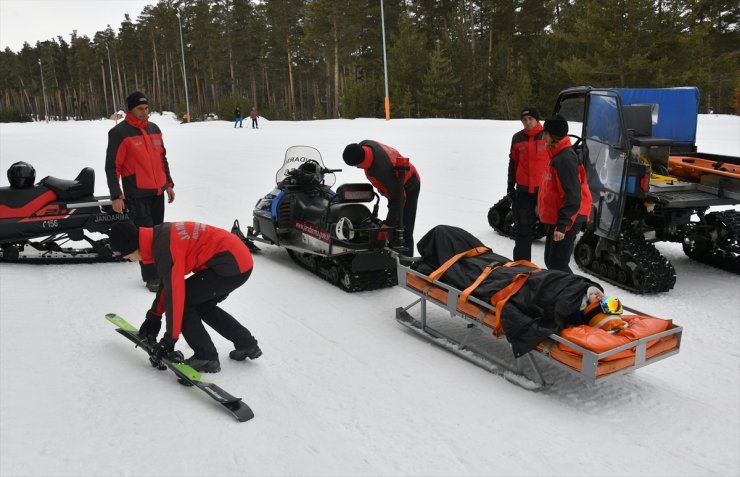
{"x":591,"y":353}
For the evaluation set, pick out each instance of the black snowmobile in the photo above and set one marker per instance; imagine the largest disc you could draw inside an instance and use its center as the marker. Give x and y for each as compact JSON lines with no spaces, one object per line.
{"x":331,"y":233}
{"x":38,"y":222}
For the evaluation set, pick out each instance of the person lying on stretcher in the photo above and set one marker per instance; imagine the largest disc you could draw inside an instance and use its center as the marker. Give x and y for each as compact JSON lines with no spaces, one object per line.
{"x":602,"y":311}
{"x":528,"y":303}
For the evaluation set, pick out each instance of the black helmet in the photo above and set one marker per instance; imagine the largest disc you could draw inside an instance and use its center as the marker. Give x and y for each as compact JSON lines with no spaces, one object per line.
{"x":21,"y":175}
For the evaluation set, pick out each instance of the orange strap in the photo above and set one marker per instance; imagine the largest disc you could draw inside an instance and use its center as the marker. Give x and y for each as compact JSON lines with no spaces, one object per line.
{"x":445,"y":266}
{"x":500,"y":298}
{"x":486,"y":271}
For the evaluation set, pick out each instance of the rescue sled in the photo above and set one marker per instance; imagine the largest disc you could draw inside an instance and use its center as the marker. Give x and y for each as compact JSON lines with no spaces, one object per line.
{"x":589,"y":353}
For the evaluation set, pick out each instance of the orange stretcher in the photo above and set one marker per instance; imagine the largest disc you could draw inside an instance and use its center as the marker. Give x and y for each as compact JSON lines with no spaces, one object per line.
{"x":588,"y":352}
{"x":693,"y":168}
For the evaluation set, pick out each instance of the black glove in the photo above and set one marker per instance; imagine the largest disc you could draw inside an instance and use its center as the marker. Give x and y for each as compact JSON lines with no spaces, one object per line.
{"x":165,"y":349}
{"x":150,"y":328}
{"x":511,"y":189}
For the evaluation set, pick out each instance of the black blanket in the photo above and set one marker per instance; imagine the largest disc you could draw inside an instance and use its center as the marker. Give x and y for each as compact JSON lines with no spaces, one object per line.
{"x":549,"y":301}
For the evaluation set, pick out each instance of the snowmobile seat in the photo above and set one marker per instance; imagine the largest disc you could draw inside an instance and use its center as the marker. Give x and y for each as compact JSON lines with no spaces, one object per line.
{"x":82,"y":186}
{"x":590,"y":353}
{"x":361,"y":192}
{"x":16,"y":203}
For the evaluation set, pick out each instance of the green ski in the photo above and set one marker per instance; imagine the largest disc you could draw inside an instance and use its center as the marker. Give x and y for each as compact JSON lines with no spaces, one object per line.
{"x":185,"y":374}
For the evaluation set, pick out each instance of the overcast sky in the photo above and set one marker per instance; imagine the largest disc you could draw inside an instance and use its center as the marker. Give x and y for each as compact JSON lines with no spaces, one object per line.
{"x":38,"y":20}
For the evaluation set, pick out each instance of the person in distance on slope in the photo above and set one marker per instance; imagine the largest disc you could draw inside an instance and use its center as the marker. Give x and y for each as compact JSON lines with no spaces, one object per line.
{"x":219,"y":262}
{"x":380,"y":163}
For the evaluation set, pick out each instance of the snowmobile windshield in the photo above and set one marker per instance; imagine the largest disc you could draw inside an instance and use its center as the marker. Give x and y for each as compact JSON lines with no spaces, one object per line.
{"x":296,"y":156}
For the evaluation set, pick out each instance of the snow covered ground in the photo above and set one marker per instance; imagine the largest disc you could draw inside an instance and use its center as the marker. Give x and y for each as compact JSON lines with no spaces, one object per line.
{"x":342,"y":388}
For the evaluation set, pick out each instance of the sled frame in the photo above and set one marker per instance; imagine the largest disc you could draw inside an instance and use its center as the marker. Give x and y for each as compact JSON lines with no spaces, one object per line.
{"x":514,"y":369}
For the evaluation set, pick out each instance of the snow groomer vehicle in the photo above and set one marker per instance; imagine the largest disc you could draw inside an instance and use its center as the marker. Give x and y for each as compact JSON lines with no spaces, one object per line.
{"x":649,"y":184}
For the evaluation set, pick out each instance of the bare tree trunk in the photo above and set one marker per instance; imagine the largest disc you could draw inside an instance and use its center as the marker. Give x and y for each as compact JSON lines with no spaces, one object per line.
{"x":336,"y":70}
{"x":328,"y":90}
{"x":254,"y":91}
{"x":291,"y":94}
{"x":122,"y":93}
{"x":155,"y":73}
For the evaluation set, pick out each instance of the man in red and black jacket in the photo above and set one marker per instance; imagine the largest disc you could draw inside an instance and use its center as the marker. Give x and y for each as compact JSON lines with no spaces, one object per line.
{"x":136,"y":156}
{"x":219,"y":262}
{"x":381,"y":164}
{"x":527,"y":161}
{"x":564,"y":199}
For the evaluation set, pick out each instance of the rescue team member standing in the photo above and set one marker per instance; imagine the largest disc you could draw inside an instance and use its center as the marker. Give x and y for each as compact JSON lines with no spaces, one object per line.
{"x":136,"y":155}
{"x":219,"y":262}
{"x":528,"y":159}
{"x":564,"y":200}
{"x":379,"y":162}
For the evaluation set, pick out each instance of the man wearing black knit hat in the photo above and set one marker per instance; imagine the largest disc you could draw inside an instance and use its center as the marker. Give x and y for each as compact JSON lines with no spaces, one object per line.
{"x":564,"y":200}
{"x":395,"y":178}
{"x":527,"y":161}
{"x":137,"y":158}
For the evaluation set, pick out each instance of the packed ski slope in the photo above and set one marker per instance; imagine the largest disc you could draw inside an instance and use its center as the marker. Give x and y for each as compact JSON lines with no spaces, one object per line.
{"x":342,"y":388}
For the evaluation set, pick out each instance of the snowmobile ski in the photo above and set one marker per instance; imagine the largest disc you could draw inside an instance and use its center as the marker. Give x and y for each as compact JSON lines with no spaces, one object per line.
{"x":186,"y":375}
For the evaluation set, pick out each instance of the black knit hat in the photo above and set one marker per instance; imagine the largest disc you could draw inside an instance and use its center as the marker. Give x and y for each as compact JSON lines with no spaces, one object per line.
{"x":124,"y":238}
{"x":136,"y":98}
{"x":353,"y":154}
{"x":530,"y":111}
{"x":557,"y":126}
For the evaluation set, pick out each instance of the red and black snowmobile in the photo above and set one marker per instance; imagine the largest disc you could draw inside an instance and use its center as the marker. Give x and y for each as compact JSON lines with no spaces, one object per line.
{"x":331,"y":233}
{"x":39,"y":222}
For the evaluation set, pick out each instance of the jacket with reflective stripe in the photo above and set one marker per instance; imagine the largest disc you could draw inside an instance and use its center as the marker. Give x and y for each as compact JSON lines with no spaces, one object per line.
{"x":136,"y":155}
{"x":181,"y":248}
{"x":564,"y":193}
{"x":379,"y":163}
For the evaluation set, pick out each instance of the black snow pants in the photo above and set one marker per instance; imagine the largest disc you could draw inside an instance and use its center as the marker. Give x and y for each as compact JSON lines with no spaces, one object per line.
{"x":204,"y":290}
{"x":524,"y":207}
{"x":146,"y":212}
{"x":557,"y":254}
{"x":409,"y":214}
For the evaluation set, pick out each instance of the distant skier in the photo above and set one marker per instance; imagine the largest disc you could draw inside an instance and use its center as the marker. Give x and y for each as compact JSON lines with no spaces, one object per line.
{"x":136,"y":155}
{"x":254,"y":115}
{"x":219,"y":262}
{"x":380,"y":164}
{"x":238,"y":116}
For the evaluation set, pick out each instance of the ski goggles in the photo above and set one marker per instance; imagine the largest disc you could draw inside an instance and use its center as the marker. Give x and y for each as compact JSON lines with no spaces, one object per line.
{"x":611,"y":305}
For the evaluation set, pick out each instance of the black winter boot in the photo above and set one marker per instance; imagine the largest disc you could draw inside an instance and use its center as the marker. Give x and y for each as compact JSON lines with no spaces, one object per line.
{"x":204,"y":365}
{"x":253,"y":352}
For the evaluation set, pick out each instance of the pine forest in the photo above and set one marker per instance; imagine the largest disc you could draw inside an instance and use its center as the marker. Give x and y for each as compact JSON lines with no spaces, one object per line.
{"x":318,"y":59}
